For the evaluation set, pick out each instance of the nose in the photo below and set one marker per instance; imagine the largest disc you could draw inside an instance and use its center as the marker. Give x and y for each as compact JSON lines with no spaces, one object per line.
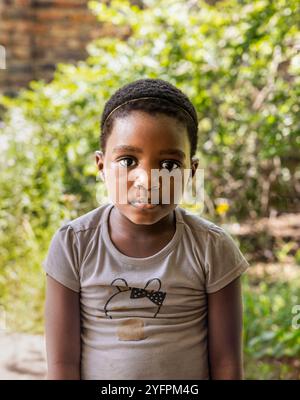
{"x":143,"y":179}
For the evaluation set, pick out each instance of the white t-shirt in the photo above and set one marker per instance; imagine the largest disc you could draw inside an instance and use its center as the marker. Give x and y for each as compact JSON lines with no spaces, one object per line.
{"x":144,"y":318}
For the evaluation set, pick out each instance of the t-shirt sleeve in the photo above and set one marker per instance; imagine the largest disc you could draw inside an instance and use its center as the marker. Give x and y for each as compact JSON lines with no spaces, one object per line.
{"x":61,"y":261}
{"x":224,"y":261}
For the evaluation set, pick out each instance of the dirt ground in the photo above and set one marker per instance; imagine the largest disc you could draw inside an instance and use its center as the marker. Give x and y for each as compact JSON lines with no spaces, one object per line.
{"x":22,"y":356}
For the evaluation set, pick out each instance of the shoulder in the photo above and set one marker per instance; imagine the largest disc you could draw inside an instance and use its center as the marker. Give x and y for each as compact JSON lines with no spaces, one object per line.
{"x":209,"y":237}
{"x":201,"y":225}
{"x":72,"y":238}
{"x":86,"y":222}
{"x":222,"y":259}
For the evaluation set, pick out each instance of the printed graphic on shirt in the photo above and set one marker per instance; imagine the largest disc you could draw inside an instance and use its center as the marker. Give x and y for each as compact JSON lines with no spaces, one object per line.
{"x":123,"y":294}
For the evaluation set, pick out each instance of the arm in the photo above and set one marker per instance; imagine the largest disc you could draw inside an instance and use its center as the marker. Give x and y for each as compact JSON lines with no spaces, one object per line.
{"x":225,"y":332}
{"x":62,"y":328}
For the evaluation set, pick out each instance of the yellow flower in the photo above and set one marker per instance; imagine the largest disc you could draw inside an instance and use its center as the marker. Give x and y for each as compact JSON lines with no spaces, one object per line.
{"x":222,"y":208}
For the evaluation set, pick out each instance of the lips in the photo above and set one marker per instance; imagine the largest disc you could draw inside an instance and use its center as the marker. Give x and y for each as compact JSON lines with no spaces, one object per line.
{"x":143,"y":204}
{"x":144,"y":201}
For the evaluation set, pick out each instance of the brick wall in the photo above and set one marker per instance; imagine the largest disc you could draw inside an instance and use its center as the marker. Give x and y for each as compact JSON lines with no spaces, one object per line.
{"x":37,"y":34}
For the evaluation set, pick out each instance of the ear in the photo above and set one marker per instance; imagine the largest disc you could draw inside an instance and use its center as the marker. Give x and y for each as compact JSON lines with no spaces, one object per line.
{"x":194,"y":165}
{"x":100,"y":162}
{"x":154,"y":286}
{"x":121,"y":288}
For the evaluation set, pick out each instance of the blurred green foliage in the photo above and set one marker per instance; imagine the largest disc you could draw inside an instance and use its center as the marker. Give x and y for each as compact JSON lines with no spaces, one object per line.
{"x":268,"y":318}
{"x":271,"y":341}
{"x":239,"y":63}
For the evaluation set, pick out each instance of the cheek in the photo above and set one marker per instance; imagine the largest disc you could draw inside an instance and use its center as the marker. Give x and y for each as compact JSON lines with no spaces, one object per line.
{"x":118,"y":184}
{"x":173,"y":188}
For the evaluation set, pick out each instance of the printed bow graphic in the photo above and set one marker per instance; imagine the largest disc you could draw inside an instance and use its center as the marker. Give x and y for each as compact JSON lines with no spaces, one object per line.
{"x":156,"y":297}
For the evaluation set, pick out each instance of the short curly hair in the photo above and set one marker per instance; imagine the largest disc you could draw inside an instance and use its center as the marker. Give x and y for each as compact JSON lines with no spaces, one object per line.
{"x":152,"y":96}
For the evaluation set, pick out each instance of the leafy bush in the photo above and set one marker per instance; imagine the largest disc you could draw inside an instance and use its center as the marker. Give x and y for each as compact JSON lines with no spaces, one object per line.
{"x":268,"y":319}
{"x":239,"y":63}
{"x":271,"y":343}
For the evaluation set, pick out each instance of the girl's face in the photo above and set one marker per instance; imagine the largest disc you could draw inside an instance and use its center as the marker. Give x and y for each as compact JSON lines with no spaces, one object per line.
{"x":137,"y":144}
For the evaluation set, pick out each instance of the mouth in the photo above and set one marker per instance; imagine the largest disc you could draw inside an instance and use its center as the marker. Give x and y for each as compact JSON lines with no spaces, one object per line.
{"x":143,"y":205}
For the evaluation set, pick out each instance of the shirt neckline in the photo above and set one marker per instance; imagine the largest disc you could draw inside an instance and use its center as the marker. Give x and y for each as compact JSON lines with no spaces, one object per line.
{"x":141,"y":260}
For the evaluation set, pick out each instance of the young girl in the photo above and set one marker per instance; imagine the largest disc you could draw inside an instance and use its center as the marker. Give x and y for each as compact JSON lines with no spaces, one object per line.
{"x":138,"y":290}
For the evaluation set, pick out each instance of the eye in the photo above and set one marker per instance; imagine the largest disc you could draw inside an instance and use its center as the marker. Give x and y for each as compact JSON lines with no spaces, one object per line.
{"x":169,"y":164}
{"x":124,"y":162}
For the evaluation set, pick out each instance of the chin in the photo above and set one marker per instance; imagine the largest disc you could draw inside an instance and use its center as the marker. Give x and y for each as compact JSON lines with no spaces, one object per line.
{"x":142,"y":216}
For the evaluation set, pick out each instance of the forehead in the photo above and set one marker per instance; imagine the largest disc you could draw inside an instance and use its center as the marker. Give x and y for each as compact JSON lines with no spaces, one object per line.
{"x":149,"y":132}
